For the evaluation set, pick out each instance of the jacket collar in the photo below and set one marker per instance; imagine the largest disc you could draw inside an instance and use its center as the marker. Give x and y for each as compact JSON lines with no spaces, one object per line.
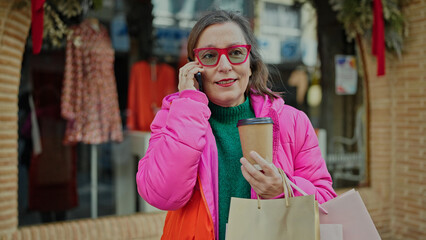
{"x":263,"y":104}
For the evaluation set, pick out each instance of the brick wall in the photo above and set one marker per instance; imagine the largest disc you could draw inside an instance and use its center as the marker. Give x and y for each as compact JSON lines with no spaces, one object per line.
{"x":14,"y":26}
{"x":407,"y":79}
{"x":147,"y":226}
{"x":396,"y":199}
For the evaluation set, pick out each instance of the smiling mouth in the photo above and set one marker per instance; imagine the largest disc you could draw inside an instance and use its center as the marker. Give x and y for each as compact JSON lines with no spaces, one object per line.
{"x":227,"y":81}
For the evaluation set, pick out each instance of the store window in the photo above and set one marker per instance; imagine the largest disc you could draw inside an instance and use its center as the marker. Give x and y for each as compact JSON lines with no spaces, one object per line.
{"x":72,"y":132}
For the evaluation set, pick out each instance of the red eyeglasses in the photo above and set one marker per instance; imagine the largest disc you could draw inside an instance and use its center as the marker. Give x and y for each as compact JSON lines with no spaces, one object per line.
{"x":209,"y":57}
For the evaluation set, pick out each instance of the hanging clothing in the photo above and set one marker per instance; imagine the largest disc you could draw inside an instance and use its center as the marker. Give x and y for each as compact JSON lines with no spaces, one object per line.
{"x":52,"y":174}
{"x":119,"y":33}
{"x":149,"y":84}
{"x":52,"y":185}
{"x":89,"y":95}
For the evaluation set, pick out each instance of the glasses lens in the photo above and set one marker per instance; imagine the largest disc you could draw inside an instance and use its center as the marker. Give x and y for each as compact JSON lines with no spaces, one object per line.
{"x":237,"y":54}
{"x":208,"y":56}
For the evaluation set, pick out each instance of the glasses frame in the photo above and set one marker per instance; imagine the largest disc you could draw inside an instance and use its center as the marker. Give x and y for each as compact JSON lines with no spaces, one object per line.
{"x":222,"y":51}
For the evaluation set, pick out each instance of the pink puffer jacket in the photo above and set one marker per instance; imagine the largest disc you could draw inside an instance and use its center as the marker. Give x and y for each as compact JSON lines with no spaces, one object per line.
{"x":182,"y":146}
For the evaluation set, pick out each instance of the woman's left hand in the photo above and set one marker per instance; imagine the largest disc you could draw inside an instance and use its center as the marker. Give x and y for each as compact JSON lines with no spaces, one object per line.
{"x":266,"y":183}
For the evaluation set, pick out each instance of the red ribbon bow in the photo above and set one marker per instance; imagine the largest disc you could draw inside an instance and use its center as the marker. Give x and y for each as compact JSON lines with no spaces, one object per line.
{"x":378,"y":40}
{"x":37,"y":11}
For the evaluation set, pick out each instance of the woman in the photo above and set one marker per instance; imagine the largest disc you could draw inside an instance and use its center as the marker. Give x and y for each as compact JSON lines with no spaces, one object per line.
{"x":194,"y":162}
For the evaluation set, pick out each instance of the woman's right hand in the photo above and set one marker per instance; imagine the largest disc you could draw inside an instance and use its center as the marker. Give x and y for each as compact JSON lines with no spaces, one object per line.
{"x":187,"y":76}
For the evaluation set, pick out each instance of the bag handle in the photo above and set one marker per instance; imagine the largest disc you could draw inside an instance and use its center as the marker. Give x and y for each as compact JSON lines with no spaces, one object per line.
{"x":300,"y":190}
{"x":288,"y":191}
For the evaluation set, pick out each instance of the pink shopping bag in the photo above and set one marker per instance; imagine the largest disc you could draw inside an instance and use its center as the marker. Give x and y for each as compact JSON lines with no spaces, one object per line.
{"x":331,"y":232}
{"x":349,"y":210}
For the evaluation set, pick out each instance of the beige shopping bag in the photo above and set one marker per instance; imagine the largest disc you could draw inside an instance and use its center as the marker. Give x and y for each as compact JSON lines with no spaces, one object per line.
{"x":288,"y":218}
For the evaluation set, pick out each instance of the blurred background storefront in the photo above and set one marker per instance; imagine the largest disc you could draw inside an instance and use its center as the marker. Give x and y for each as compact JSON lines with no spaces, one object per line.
{"x":60,"y":168}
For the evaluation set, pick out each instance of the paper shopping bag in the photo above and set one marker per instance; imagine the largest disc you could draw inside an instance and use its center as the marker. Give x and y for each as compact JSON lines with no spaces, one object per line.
{"x":349,"y":210}
{"x":288,"y":218}
{"x":331,"y":232}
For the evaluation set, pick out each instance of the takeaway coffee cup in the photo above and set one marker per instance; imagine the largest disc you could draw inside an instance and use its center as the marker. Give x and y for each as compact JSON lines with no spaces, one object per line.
{"x":256,"y":135}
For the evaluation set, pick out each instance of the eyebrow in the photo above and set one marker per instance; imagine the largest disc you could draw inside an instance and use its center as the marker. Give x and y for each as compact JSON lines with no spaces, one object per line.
{"x":229,"y":45}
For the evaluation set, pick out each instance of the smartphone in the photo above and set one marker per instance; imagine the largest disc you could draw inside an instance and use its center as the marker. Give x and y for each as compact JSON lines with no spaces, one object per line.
{"x":200,"y":82}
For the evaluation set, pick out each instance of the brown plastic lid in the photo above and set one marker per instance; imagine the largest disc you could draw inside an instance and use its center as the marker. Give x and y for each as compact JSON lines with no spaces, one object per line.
{"x":250,"y":121}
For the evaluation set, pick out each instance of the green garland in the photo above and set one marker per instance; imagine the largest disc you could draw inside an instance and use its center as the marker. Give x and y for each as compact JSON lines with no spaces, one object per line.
{"x":56,"y":12}
{"x":357,"y":19}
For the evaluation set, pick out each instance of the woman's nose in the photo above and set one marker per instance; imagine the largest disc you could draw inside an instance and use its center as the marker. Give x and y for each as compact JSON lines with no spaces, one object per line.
{"x":224,"y":65}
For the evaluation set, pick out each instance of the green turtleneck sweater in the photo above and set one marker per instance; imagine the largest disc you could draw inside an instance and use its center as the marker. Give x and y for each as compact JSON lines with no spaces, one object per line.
{"x":232,"y":183}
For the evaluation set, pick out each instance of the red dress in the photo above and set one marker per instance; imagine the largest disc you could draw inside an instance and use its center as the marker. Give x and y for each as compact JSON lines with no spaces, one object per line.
{"x":89,"y":95}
